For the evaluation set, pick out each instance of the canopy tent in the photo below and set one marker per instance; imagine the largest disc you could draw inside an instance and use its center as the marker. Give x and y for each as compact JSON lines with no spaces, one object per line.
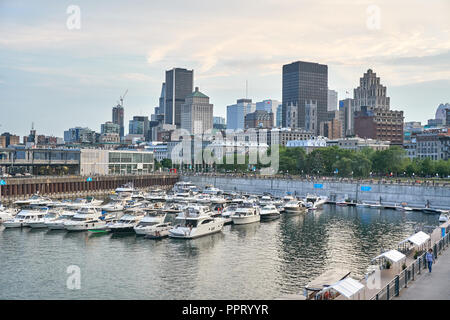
{"x":348,"y":288}
{"x":325,"y":280}
{"x":394,"y":256}
{"x":419,"y":240}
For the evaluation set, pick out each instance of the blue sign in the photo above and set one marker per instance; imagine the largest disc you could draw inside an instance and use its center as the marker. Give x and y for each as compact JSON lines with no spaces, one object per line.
{"x":318,"y":186}
{"x":366,"y":188}
{"x":443,"y":232}
{"x":89,"y":179}
{"x":2,"y":182}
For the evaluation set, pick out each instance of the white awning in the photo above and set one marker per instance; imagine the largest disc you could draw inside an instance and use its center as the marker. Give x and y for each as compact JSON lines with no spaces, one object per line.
{"x":393,"y":255}
{"x":419,"y":238}
{"x":348,"y":287}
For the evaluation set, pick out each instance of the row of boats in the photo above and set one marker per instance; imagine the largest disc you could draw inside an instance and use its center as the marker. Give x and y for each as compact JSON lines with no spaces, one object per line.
{"x":183,"y":213}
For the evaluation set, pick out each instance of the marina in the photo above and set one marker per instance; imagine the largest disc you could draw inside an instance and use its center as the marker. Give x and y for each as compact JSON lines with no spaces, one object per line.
{"x":273,"y":252}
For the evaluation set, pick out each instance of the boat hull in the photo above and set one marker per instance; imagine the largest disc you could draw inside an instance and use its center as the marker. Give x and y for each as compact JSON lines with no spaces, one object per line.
{"x":246,"y":219}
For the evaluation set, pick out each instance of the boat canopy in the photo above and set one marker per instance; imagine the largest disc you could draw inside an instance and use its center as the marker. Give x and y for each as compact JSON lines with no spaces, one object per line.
{"x":348,"y":287}
{"x":392,"y":255}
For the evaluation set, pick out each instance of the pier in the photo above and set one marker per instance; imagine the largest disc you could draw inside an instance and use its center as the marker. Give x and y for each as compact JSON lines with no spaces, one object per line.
{"x":72,"y":186}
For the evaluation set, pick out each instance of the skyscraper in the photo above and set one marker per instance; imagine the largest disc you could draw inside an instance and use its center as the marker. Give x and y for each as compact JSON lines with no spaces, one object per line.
{"x":332,"y":100}
{"x":118,"y":118}
{"x":179,"y":84}
{"x":236,"y":113}
{"x":370,"y":93}
{"x":140,"y":125}
{"x":197,"y":113}
{"x":270,"y":106}
{"x":302,"y":82}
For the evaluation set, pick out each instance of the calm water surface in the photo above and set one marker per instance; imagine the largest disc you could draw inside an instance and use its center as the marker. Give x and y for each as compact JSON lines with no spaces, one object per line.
{"x":256,"y":261}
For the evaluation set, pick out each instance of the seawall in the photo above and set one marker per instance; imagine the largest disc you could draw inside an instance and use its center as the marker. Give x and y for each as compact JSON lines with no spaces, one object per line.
{"x":413,"y":195}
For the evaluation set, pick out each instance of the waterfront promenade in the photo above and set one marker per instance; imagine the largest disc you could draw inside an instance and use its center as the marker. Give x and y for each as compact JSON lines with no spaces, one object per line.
{"x":430,"y":286}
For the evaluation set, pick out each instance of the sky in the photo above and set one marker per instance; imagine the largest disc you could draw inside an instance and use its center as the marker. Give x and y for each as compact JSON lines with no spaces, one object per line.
{"x":58,"y":76}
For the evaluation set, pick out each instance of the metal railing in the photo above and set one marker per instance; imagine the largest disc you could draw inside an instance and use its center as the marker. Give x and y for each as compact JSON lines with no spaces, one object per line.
{"x":402,"y":280}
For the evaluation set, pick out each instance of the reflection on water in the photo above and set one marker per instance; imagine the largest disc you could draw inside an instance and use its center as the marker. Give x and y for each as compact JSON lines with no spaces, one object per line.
{"x":255,"y":261}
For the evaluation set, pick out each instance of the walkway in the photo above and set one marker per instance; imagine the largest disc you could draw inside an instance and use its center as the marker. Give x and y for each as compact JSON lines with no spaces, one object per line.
{"x":431,"y":286}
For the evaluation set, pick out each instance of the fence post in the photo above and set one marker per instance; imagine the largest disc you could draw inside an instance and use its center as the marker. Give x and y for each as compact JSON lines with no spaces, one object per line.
{"x":435,"y":250}
{"x":397,"y":285}
{"x":406,"y":278}
{"x":376,"y":298}
{"x":420,"y":260}
{"x":413,"y":270}
{"x":387,"y":291}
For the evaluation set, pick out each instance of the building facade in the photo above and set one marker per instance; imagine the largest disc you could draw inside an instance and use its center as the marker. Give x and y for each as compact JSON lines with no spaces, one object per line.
{"x":303,"y":81}
{"x":197,"y":113}
{"x":178,"y":85}
{"x":236,"y":113}
{"x":332,"y":101}
{"x":380,"y":124}
{"x":140,"y":125}
{"x":370,"y":93}
{"x":118,"y":118}
{"x":259,"y":119}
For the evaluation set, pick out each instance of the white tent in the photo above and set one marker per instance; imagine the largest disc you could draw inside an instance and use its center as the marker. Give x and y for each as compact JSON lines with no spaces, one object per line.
{"x":419,"y":238}
{"x":348,"y":287}
{"x":393,"y":255}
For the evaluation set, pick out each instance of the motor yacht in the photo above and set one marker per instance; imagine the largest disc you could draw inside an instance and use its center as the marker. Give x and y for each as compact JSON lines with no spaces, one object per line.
{"x":148,"y":223}
{"x":342,"y":203}
{"x":25,"y":216}
{"x":227,"y":212}
{"x":246,"y":213}
{"x":209,"y":189}
{"x":158,"y":231}
{"x":265,"y":200}
{"x":443,"y":217}
{"x":35,"y":200}
{"x":294,"y":207}
{"x":375,"y":205}
{"x":314,"y":202}
{"x":269,"y":212}
{"x":7,"y":213}
{"x":114,"y":205}
{"x":58,"y":223}
{"x":82,"y":202}
{"x":288,"y":198}
{"x":51,"y":215}
{"x":126,"y":223}
{"x":194,"y":222}
{"x":84,"y":219}
{"x":362,"y":205}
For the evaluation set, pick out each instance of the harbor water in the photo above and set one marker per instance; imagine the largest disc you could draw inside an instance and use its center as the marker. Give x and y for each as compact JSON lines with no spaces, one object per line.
{"x":263,"y":260}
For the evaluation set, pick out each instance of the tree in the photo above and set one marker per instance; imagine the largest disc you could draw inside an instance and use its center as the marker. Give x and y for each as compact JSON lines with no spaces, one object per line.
{"x":166,"y":163}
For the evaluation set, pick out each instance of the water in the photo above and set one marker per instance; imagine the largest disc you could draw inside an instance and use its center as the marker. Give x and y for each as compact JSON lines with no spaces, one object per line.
{"x":257,"y":261}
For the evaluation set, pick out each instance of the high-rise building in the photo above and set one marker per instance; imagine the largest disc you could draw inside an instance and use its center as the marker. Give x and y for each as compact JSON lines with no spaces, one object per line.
{"x":197,"y":113}
{"x":346,"y":117}
{"x":118,"y":118}
{"x":140,"y":126}
{"x":290,"y":115}
{"x":279,"y":116}
{"x":179,"y":84}
{"x":110,"y":127}
{"x":270,"y":106}
{"x":236,"y":113}
{"x":332,"y":100}
{"x":7,"y":139}
{"x":370,"y":93}
{"x":304,"y":81}
{"x":160,"y":108}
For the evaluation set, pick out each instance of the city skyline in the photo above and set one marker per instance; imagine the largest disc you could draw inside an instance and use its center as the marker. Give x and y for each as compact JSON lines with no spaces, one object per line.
{"x":49,"y":72}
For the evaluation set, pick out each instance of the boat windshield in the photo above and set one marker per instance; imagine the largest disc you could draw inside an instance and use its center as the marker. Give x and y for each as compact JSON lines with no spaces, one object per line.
{"x":189,"y":223}
{"x":79,"y":219}
{"x":147,"y":224}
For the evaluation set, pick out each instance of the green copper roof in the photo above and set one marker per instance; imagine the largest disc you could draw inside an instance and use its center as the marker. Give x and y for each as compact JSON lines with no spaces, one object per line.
{"x":198,"y":94}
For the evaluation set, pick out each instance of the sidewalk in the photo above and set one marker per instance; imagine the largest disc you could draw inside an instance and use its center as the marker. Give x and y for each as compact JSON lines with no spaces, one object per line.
{"x":430,"y":286}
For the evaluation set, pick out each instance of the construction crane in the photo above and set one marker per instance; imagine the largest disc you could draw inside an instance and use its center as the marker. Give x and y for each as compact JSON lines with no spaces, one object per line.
{"x":121,"y":98}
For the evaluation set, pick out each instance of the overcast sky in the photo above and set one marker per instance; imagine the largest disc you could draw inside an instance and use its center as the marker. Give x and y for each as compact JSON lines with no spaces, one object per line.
{"x":58,"y":77}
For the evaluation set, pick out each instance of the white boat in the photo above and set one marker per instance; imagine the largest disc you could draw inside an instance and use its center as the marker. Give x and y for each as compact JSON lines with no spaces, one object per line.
{"x":114,"y":206}
{"x":58,"y":224}
{"x":158,"y":231}
{"x":269,"y":212}
{"x":227,"y":212}
{"x":155,"y":195}
{"x":7,"y":213}
{"x":376,"y":205}
{"x":126,"y":223}
{"x":212,"y":191}
{"x":314,"y":202}
{"x":148,"y":222}
{"x":195,"y":222}
{"x":265,"y":200}
{"x":35,"y":200}
{"x":84,"y":219}
{"x":24,"y":217}
{"x":362,"y":205}
{"x":51,"y":215}
{"x":288,"y":198}
{"x":246,"y":213}
{"x":183,"y":186}
{"x":82,"y":202}
{"x":342,"y":203}
{"x":294,"y":207}
{"x":443,"y":217}
{"x":403,"y":207}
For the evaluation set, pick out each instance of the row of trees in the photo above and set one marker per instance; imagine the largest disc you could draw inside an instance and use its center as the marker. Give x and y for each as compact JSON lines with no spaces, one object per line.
{"x":334,"y":161}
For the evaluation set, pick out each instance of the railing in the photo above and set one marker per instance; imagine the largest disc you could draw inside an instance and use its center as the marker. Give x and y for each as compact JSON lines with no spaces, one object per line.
{"x":401,"y":281}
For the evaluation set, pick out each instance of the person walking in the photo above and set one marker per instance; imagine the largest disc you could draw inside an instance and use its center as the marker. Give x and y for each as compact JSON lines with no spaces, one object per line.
{"x":430,"y":259}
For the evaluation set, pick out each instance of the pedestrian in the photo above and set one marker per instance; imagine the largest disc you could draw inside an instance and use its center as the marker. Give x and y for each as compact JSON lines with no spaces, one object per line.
{"x":430,"y":259}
